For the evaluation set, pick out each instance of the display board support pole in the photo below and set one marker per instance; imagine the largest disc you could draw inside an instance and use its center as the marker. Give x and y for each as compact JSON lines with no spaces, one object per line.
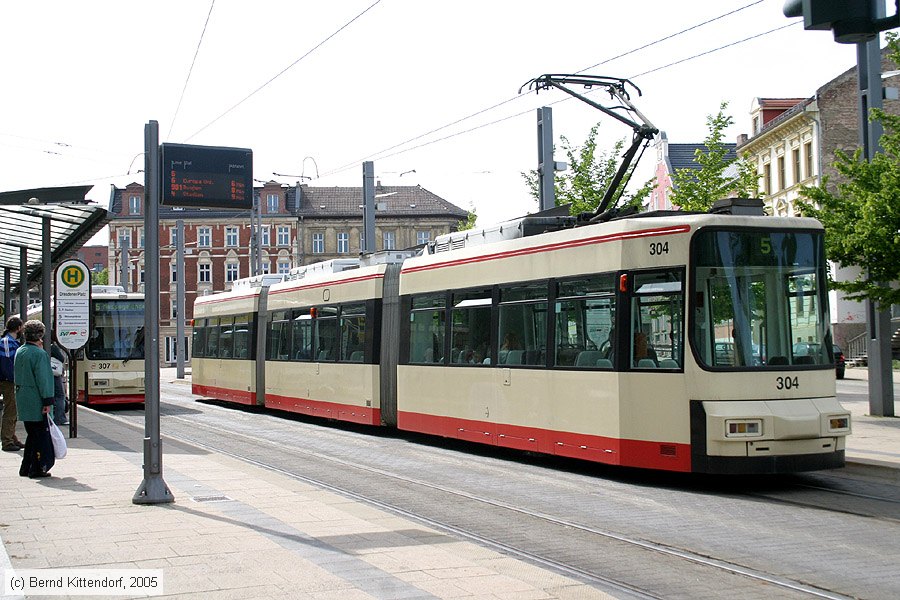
{"x":180,"y":310}
{"x":153,"y":489}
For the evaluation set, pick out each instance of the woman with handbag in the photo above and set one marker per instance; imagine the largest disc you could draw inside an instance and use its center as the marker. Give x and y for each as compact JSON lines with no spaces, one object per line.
{"x":34,"y":400}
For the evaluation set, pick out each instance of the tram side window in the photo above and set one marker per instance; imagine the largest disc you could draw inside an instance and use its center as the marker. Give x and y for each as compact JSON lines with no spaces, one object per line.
{"x":226,"y":337}
{"x":585,"y":315}
{"x":301,"y":335}
{"x":278,"y":342}
{"x":353,"y":332}
{"x":426,"y":330}
{"x":243,"y":334}
{"x":471,"y":328}
{"x":199,"y":338}
{"x":326,"y":333}
{"x":212,"y":338}
{"x":657,"y":320}
{"x":523,"y":325}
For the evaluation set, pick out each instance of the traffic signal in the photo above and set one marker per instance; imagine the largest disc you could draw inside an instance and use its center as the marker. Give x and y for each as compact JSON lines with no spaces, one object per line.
{"x":852,"y":21}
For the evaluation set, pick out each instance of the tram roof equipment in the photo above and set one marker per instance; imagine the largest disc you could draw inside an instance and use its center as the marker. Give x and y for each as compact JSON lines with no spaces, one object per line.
{"x":621,"y":109}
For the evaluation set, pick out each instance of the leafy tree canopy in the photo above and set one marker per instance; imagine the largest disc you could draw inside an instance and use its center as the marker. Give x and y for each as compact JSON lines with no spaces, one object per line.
{"x":698,"y":189}
{"x":469,"y":223}
{"x":589,"y":174}
{"x":861,"y":214}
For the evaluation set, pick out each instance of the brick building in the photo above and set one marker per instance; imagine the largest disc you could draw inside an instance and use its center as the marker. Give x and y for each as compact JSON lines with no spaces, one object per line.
{"x":95,"y":257}
{"x":299,"y":225}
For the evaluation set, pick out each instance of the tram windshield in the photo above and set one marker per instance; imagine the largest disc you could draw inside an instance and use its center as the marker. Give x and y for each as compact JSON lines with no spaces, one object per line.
{"x":760,"y":300}
{"x":118,"y":330}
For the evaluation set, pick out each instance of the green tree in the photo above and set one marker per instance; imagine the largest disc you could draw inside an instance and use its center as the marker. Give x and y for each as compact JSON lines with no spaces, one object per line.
{"x":861,"y":214}
{"x":100,"y":277}
{"x":469,"y":223}
{"x":588,"y":176}
{"x":698,"y":189}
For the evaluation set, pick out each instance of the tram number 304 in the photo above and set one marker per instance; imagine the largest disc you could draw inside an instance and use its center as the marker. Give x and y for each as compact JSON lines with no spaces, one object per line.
{"x":658,"y":248}
{"x":786,"y":383}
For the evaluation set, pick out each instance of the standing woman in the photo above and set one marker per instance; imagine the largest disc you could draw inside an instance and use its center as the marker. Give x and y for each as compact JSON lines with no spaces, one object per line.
{"x":34,"y":399}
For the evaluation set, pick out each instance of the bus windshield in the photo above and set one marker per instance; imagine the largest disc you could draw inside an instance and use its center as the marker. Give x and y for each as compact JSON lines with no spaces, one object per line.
{"x":118,"y":330}
{"x":760,"y":299}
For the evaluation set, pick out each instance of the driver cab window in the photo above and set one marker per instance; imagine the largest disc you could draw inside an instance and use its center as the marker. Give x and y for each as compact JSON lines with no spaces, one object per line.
{"x":657,"y":318}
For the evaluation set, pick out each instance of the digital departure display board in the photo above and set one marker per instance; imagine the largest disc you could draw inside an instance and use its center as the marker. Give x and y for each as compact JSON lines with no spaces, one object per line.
{"x":206,"y":176}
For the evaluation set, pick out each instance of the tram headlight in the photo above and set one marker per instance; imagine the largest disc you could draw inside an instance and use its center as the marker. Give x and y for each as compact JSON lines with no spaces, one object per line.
{"x":838,"y":423}
{"x":743,"y":428}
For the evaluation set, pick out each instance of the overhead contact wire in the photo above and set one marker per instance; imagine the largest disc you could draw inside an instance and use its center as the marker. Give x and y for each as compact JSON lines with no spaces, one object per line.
{"x":287,"y":68}
{"x":191,"y":69}
{"x":381,"y":153}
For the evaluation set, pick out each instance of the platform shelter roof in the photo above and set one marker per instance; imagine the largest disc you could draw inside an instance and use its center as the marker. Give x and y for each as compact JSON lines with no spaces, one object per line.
{"x":73,"y":221}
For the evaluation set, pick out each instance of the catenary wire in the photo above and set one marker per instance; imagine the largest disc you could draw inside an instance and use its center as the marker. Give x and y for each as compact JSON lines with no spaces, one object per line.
{"x":747,"y":39}
{"x":519,"y":114}
{"x":287,"y":68}
{"x":191,"y":69}
{"x":379,"y":153}
{"x":669,"y":37}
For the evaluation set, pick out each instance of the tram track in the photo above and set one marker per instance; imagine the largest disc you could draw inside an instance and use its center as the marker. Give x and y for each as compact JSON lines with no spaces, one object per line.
{"x":252,"y":451}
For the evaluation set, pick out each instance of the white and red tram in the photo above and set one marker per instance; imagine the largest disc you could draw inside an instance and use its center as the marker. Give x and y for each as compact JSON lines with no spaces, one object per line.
{"x":674,"y":341}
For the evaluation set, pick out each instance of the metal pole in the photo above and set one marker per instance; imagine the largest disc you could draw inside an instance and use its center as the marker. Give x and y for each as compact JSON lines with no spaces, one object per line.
{"x":881,"y":387}
{"x":368,"y":207}
{"x":179,"y":300}
{"x":46,"y":282}
{"x":545,"y":158}
{"x":153,"y":489}
{"x":23,"y":283}
{"x":123,"y":264}
{"x":7,"y":295}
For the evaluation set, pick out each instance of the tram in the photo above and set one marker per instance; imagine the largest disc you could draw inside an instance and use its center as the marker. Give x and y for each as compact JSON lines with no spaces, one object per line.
{"x":662,"y":341}
{"x":112,"y":362}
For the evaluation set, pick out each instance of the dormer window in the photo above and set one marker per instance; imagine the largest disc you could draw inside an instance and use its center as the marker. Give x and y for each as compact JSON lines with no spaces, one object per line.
{"x":134,"y":205}
{"x":272,"y":203}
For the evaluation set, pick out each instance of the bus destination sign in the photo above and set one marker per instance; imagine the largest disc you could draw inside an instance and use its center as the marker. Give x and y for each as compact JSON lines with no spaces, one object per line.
{"x":206,"y":176}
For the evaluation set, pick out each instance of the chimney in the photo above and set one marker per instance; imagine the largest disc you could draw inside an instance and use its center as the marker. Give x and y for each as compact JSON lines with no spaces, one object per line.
{"x":742,"y":139}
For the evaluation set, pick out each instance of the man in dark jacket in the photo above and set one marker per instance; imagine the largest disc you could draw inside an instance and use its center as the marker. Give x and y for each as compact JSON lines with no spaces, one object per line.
{"x":9,"y":343}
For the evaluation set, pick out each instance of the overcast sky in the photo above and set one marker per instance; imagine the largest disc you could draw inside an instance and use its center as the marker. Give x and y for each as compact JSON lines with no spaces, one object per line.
{"x":317,"y":87}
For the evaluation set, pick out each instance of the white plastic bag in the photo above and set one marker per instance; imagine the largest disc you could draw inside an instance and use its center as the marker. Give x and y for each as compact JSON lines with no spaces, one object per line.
{"x":57,"y":367}
{"x":59,"y":440}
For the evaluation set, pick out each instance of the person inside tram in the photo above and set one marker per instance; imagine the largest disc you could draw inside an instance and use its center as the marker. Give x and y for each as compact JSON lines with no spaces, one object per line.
{"x":510,"y":342}
{"x":642,"y":349}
